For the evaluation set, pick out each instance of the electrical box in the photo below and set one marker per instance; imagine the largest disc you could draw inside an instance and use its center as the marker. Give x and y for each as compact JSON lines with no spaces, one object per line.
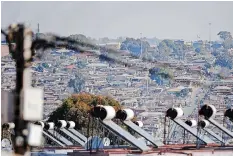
{"x":32,"y":100}
{"x":7,"y":107}
{"x":34,"y":135}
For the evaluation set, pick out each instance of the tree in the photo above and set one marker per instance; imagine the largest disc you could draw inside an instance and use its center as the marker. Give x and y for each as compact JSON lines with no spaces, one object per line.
{"x":227,"y":39}
{"x":166,"y":47}
{"x":61,"y":112}
{"x":135,"y":46}
{"x":224,"y":61}
{"x":160,"y":75}
{"x":163,"y":48}
{"x":169,"y":43}
{"x":224,"y":35}
{"x":79,"y":37}
{"x":76,"y":108}
{"x":228,"y":43}
{"x":77,"y":83}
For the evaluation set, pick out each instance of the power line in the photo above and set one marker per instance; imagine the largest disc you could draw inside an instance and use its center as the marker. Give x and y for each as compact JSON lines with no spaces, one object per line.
{"x":53,"y":41}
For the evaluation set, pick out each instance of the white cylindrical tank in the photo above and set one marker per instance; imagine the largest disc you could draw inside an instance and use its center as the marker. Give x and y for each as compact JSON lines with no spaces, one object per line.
{"x":125,"y":114}
{"x":49,"y":125}
{"x":70,"y":124}
{"x":40,"y":123}
{"x":209,"y":111}
{"x":129,"y":113}
{"x":139,"y":123}
{"x":110,"y":112}
{"x":9,"y":125}
{"x":229,"y":113}
{"x":204,"y":123}
{"x":103,"y":112}
{"x":61,"y":124}
{"x":191,"y":123}
{"x":174,"y":113}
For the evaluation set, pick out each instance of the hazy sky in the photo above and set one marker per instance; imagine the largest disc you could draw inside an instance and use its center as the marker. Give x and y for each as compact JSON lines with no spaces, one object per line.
{"x":176,"y":20}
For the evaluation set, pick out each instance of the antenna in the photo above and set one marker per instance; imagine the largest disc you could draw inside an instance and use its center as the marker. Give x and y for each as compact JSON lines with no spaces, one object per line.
{"x":210,"y":35}
{"x":141,"y":45}
{"x":38,"y":28}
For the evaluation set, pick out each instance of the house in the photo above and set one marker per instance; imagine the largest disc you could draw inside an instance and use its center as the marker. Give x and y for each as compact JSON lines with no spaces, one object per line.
{"x":222,"y":89}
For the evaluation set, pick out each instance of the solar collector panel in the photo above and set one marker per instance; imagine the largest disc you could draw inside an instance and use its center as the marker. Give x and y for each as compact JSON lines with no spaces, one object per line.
{"x":72,"y":136}
{"x":210,"y":132}
{"x":53,"y":139}
{"x":125,"y":135}
{"x":215,"y":123}
{"x":82,"y":137}
{"x":61,"y":138}
{"x":204,"y":138}
{"x":143,"y":133}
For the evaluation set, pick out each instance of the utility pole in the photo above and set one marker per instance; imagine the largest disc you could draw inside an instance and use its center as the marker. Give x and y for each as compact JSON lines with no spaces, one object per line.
{"x":17,"y":34}
{"x":27,"y":100}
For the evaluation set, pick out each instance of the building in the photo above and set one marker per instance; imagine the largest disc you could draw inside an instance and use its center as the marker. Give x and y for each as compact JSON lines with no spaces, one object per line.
{"x":222,"y":89}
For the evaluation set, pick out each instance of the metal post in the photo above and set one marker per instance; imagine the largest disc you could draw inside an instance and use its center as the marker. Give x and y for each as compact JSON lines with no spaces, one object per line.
{"x":164,"y":130}
{"x":20,"y":125}
{"x":210,"y":35}
{"x":141,"y":45}
{"x":198,"y":126}
{"x":38,"y":30}
{"x":22,"y":55}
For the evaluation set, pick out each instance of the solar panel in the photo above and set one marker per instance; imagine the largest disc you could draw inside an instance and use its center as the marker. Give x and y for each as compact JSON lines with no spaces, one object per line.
{"x":210,"y":132}
{"x":143,"y":133}
{"x":72,"y":136}
{"x":221,"y":127}
{"x":82,"y":137}
{"x":205,"y":139}
{"x":125,"y":135}
{"x":53,"y":139}
{"x":61,"y":138}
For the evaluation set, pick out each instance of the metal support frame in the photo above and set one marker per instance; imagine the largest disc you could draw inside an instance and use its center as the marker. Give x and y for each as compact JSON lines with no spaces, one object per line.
{"x":194,"y":132}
